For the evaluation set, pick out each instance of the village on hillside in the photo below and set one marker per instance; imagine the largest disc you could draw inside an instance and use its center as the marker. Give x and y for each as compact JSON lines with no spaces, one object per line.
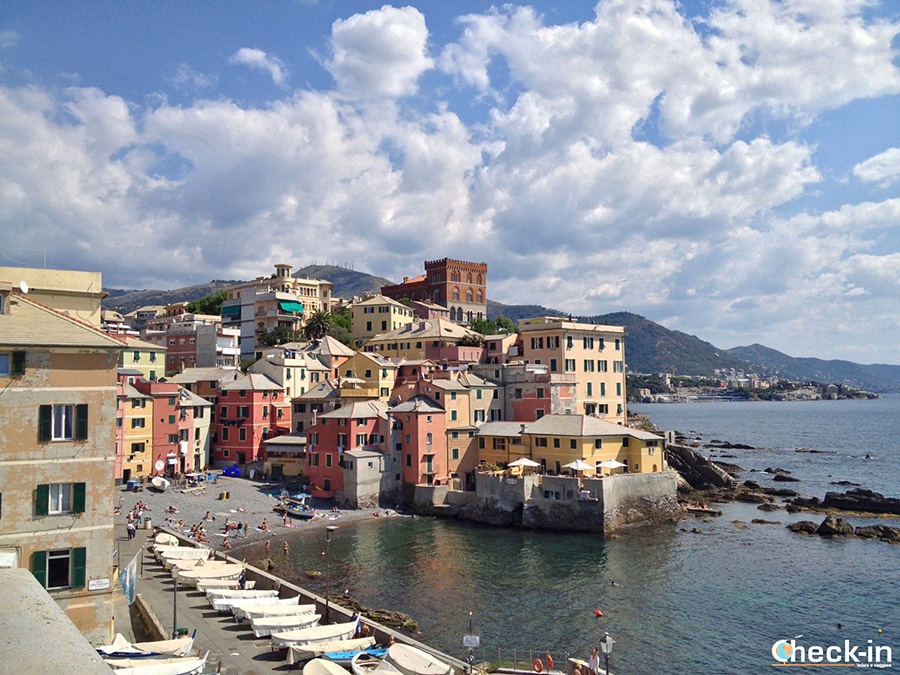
{"x":423,"y":410}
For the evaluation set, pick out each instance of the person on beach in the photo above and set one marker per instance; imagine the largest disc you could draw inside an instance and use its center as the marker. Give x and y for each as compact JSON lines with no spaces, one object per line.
{"x":594,"y":663}
{"x":268,"y":547}
{"x":132,"y":529}
{"x":287,"y":549}
{"x":265,"y":525}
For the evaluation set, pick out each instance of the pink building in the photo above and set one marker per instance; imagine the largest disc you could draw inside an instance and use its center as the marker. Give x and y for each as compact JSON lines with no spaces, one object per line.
{"x":420,"y":429}
{"x":358,"y":426}
{"x":249,"y":410}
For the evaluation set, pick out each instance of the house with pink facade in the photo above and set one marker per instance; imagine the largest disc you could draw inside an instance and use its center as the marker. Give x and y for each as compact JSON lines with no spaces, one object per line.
{"x":249,"y":410}
{"x":418,"y":431}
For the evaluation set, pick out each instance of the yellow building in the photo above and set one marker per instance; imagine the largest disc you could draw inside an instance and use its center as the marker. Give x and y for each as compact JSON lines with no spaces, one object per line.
{"x":556,"y":440}
{"x":137,"y":433}
{"x":369,"y":375}
{"x":419,"y":340}
{"x":595,"y":355}
{"x":74,"y":293}
{"x":58,"y":434}
{"x":146,"y":357}
{"x":377,"y":314}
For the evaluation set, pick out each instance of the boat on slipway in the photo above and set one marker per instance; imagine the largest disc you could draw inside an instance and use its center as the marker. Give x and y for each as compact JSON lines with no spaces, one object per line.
{"x":301,"y":653}
{"x":160,"y":483}
{"x":367,"y":663}
{"x":238,"y":593}
{"x":230,"y":604}
{"x":187,"y":665}
{"x":259,"y":611}
{"x":195,"y":575}
{"x":296,"y":507}
{"x":411,"y":660}
{"x":323,"y":667}
{"x":266,"y":625}
{"x":305,"y":636}
{"x":122,"y":648}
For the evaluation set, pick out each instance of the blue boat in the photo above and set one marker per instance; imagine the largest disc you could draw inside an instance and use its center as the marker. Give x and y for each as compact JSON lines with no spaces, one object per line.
{"x":344,"y":658}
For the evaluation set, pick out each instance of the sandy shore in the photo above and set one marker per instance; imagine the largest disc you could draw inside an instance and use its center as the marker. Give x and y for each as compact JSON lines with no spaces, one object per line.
{"x":248,"y":501}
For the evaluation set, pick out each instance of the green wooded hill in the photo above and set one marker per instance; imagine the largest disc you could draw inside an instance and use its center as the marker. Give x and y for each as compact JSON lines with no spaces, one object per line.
{"x":650,"y":347}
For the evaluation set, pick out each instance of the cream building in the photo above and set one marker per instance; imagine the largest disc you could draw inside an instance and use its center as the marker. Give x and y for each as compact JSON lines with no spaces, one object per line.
{"x":595,"y":355}
{"x":378,"y":314}
{"x":58,"y":435}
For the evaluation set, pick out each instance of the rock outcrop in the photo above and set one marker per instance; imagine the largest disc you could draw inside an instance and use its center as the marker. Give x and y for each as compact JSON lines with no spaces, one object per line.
{"x":838,"y":527}
{"x":699,"y":472}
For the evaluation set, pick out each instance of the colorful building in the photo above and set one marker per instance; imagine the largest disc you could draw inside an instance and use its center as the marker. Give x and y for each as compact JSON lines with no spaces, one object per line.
{"x":419,"y":434}
{"x":145,"y":357}
{"x":377,"y":314}
{"x":457,"y":285}
{"x":250,"y":410}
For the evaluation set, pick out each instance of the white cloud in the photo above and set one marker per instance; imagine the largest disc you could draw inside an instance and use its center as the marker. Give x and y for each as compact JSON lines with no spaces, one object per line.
{"x":187,"y":78}
{"x":883,"y":168}
{"x":379,"y":54}
{"x":257,"y":58}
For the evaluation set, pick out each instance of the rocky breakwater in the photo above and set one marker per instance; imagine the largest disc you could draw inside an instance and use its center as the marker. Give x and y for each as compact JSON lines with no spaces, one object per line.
{"x":857,"y":500}
{"x":833,"y":526}
{"x":697,"y":472}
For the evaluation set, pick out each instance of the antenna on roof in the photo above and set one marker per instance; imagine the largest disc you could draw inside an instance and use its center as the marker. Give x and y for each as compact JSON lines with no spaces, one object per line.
{"x":23,"y":287}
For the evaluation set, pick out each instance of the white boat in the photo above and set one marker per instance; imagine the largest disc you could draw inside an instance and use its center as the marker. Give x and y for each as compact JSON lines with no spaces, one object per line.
{"x":179,"y":564}
{"x":258,"y":611}
{"x":189,"y":665}
{"x":166,"y":539}
{"x":122,"y":648}
{"x":411,"y":660}
{"x":160,"y":483}
{"x":229,"y":604}
{"x":216,"y":593}
{"x":210,"y":584}
{"x":164,"y":553}
{"x":305,"y":636}
{"x":364,"y":663}
{"x":193,"y":576}
{"x":301,"y":653}
{"x":266,"y":625}
{"x":323,"y":667}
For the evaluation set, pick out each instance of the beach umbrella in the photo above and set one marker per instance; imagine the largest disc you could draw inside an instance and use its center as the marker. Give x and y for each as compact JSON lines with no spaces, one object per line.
{"x":578,"y":465}
{"x":524,"y":461}
{"x":610,"y":464}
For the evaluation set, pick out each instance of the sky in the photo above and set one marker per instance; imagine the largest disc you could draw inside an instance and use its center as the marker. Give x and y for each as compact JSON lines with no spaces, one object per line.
{"x":727,"y":168}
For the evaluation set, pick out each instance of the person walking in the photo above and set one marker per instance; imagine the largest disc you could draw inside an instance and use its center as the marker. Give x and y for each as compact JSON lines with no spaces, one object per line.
{"x":131,"y":528}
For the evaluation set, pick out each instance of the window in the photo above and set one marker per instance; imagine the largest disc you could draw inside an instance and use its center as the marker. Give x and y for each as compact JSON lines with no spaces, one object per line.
{"x":328,"y":460}
{"x":62,"y":568}
{"x":618,"y":388}
{"x":517,"y":393}
{"x":428,"y":438}
{"x":454,"y":435}
{"x":361,"y":440}
{"x":540,"y":442}
{"x":12,"y":364}
{"x":569,"y":342}
{"x":588,"y":342}
{"x":570,"y":365}
{"x":618,"y":367}
{"x":243,"y":411}
{"x":408,"y":459}
{"x":602,"y":366}
{"x":603,"y":388}
{"x":478,"y":394}
{"x":598,"y":443}
{"x":479,"y":415}
{"x":138,"y":423}
{"x":499,"y":444}
{"x":573,"y":444}
{"x":589,"y":365}
{"x":452,"y":395}
{"x":223,"y":412}
{"x":604,"y":409}
{"x":453,"y":415}
{"x":171,"y":419}
{"x":455,"y":453}
{"x":625,"y":441}
{"x":554,"y":365}
{"x":590,"y":389}
{"x":59,"y":498}
{"x":618,"y":344}
{"x":224,"y":433}
{"x":63,"y":422}
{"x":539,"y":413}
{"x":555,"y":442}
{"x":242,"y":434}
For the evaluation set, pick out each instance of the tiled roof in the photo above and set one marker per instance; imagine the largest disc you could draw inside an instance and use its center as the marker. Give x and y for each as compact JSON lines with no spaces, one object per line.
{"x":583,"y":425}
{"x":358,"y":410}
{"x":192,"y":375}
{"x":507,"y":429}
{"x":27,"y":323}
{"x":252,"y":382}
{"x":417,"y":404}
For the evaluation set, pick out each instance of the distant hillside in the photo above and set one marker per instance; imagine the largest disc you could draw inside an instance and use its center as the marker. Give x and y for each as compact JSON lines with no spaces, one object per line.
{"x":347,"y":283}
{"x":124,"y":301}
{"x":877,"y":377}
{"x":516,"y":312}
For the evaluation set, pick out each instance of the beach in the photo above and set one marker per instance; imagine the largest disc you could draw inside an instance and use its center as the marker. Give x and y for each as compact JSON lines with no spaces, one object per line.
{"x":235,"y":500}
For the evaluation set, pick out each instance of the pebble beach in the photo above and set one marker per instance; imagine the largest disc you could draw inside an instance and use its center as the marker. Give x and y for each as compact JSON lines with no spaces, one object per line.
{"x":234,"y":499}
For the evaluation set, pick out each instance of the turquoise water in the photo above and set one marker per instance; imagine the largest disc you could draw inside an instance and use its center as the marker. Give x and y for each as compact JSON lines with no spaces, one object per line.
{"x":684,"y":602}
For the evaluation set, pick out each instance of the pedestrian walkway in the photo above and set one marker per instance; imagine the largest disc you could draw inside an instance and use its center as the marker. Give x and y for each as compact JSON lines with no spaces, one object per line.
{"x":232,"y":649}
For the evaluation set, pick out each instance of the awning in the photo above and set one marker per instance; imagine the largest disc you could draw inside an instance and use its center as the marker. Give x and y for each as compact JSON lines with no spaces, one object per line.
{"x":289,"y":306}
{"x":183,"y":446}
{"x":231,"y":310}
{"x":173,"y":461}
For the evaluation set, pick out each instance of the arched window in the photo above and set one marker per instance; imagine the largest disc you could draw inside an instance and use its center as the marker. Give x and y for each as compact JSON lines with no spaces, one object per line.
{"x":469,"y":278}
{"x":468,"y":296}
{"x":479,"y":281}
{"x":455,"y":295}
{"x":478,"y":297}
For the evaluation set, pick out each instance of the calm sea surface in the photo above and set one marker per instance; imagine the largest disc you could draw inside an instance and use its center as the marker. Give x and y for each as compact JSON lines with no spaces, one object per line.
{"x":684,"y":602}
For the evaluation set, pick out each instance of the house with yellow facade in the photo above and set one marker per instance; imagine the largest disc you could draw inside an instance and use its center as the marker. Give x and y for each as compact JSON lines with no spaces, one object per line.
{"x":145,"y":357}
{"x":377,"y":314}
{"x":593,"y":354}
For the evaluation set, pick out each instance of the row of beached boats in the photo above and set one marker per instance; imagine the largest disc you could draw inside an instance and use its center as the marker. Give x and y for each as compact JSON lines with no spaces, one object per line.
{"x":162,"y":657}
{"x":327,"y":649}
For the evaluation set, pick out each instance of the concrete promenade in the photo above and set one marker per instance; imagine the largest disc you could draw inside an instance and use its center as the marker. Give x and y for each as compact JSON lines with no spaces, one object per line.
{"x":233,"y":649}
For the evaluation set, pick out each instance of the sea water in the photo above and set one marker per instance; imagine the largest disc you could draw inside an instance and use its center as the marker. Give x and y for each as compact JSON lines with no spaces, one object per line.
{"x":675,"y":600}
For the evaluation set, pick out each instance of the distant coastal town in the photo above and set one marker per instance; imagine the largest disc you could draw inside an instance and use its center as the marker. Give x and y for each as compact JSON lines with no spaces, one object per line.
{"x":732,"y":385}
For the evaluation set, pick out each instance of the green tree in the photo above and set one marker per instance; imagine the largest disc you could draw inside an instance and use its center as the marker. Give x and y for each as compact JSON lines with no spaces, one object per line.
{"x":279,"y":336}
{"x":483,"y":326}
{"x":209,"y":305}
{"x":318,"y":325}
{"x":340,"y":326}
{"x":506,"y":323}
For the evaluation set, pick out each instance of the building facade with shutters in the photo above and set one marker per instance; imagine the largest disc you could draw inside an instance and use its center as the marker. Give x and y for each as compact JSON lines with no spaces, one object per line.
{"x":57,"y":456}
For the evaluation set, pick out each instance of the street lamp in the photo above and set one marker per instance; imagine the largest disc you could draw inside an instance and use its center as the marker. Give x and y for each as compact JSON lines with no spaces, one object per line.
{"x":606,"y":645}
{"x":329,"y":530}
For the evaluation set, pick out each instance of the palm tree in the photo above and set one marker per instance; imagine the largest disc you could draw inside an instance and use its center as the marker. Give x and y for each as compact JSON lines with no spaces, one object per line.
{"x":318,"y":325}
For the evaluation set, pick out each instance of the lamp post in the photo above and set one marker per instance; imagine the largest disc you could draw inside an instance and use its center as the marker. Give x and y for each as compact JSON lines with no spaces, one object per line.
{"x":606,"y":645}
{"x":329,"y":530}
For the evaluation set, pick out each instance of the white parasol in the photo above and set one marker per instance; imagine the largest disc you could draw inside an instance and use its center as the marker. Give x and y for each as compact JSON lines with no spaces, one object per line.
{"x":578,"y":465}
{"x":524,"y":461}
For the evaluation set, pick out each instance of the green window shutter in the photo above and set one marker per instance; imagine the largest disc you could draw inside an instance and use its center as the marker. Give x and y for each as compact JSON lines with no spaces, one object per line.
{"x":45,"y":422}
{"x":78,"y":497}
{"x":79,"y":563}
{"x":42,"y":503}
{"x":81,"y":422}
{"x":39,"y":567}
{"x":18,"y":363}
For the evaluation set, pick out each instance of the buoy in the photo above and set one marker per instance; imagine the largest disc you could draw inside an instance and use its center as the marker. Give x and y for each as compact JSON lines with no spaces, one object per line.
{"x":538,"y":665}
{"x":879,"y":631}
{"x":598,"y":612}
{"x":549,"y":660}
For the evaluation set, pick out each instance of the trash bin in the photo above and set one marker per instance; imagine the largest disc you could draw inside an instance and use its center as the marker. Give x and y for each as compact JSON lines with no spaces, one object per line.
{"x":148,"y":523}
{"x":223,"y":494}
